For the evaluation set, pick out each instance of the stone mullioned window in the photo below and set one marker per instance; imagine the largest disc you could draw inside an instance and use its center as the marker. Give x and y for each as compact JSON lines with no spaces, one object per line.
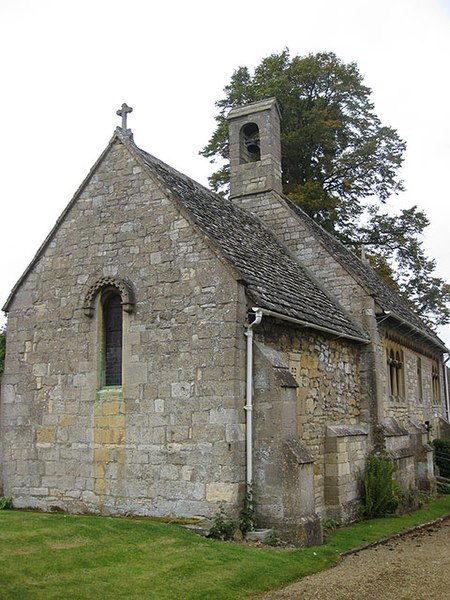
{"x":435,"y":382}
{"x":419,"y":380}
{"x":395,"y":371}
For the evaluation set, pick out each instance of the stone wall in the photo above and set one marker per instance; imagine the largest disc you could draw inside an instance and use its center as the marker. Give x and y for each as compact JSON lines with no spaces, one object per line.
{"x":283,"y":467}
{"x":417,"y":399}
{"x":1,"y":441}
{"x":327,"y":374}
{"x":273,"y":210}
{"x":170,"y":441}
{"x":403,"y":432}
{"x":345,"y":458}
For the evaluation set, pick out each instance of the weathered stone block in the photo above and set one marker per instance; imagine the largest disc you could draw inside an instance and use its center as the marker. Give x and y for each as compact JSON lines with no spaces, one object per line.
{"x":222,"y":492}
{"x":46,"y":435}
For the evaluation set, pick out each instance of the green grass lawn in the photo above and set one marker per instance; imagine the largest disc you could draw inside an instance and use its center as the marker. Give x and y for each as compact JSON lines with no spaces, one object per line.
{"x":68,"y":557}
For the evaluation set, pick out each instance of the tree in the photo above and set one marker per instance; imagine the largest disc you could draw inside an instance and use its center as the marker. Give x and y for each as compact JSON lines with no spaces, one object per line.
{"x":340,"y":164}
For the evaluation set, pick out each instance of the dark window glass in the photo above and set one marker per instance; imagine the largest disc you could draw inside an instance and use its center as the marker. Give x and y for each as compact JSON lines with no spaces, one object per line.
{"x":112,"y":318}
{"x":419,"y":380}
{"x":436,"y":383}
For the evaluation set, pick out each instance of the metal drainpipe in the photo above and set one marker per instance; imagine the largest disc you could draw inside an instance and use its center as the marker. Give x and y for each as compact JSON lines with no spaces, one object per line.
{"x":249,"y":396}
{"x":446,"y":395}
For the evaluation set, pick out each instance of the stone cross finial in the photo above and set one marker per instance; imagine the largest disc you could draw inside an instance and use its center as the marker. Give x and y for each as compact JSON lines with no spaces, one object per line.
{"x":122,"y":112}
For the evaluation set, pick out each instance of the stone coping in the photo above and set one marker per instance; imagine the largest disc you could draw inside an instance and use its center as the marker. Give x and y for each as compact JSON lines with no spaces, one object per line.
{"x":346,"y":430}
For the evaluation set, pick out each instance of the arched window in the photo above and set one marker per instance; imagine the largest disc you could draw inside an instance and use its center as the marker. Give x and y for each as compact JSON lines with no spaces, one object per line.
{"x":250,"y":143}
{"x":112,"y":338}
{"x":110,"y":297}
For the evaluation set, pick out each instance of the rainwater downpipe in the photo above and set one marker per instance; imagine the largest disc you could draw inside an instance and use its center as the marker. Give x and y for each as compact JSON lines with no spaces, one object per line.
{"x":249,"y":398}
{"x":446,"y":390}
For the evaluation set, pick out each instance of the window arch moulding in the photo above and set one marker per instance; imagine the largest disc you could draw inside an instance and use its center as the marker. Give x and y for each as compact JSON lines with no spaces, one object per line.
{"x":120,"y":285}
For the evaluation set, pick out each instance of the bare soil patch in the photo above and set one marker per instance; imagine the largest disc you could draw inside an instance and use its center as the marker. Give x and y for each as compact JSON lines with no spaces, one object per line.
{"x":413,"y":567}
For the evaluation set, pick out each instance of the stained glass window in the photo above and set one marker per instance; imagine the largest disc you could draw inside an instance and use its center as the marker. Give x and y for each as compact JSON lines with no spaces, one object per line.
{"x":112,"y":319}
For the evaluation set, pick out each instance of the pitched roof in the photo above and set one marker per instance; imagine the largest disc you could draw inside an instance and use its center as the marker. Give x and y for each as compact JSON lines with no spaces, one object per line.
{"x":274,"y":280}
{"x":390,"y":302}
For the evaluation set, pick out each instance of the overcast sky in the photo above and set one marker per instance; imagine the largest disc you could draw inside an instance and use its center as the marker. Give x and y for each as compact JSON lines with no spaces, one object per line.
{"x":67,"y":66}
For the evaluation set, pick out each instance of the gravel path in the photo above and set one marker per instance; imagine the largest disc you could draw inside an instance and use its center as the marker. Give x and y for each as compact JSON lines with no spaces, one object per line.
{"x":413,"y":567}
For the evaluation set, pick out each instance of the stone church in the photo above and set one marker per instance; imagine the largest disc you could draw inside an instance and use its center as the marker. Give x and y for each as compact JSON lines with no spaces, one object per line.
{"x":167,"y":345}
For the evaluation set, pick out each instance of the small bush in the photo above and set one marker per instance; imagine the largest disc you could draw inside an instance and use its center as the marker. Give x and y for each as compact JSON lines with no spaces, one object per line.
{"x":443,"y":488}
{"x":6,"y":503}
{"x":329,"y":525}
{"x":424,"y":498}
{"x":442,"y":456}
{"x":223,"y":527}
{"x":272,"y":539}
{"x":380,"y":493}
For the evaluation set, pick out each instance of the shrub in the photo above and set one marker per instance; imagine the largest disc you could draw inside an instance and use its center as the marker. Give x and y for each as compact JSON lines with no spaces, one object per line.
{"x":424,"y":498}
{"x":330,"y":525}
{"x":443,"y":488}
{"x":6,"y":503}
{"x":272,"y":539}
{"x":380,"y":493}
{"x":442,"y":456}
{"x":223,"y":527}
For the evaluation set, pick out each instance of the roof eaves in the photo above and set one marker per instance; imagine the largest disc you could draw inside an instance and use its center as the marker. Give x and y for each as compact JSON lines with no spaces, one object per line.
{"x":431,"y":339}
{"x":310,"y":325}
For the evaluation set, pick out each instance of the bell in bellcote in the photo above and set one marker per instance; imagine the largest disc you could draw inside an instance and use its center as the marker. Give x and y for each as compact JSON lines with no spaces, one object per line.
{"x":251,"y":141}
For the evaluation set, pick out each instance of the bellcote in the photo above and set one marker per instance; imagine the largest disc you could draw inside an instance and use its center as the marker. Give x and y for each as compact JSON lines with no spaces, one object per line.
{"x":255,"y":148}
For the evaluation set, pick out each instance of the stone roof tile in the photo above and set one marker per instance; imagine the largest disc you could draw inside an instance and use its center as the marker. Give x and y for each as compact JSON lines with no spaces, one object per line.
{"x":274,"y":280}
{"x":384,"y":296}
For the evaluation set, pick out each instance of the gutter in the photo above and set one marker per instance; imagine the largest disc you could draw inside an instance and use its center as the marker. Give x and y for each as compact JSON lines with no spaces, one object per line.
{"x":436,"y":342}
{"x":339,"y":334}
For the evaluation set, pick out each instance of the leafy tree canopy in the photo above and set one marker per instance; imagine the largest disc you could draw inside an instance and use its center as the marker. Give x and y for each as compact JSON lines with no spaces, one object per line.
{"x":340,"y":164}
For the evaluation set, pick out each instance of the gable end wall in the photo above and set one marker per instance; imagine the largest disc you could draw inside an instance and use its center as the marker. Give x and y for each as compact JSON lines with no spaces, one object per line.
{"x":171,"y":440}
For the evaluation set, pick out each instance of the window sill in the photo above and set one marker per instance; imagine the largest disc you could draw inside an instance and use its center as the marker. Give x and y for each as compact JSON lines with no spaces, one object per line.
{"x":398,"y":399}
{"x":110,"y":387}
{"x":109,"y":393}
